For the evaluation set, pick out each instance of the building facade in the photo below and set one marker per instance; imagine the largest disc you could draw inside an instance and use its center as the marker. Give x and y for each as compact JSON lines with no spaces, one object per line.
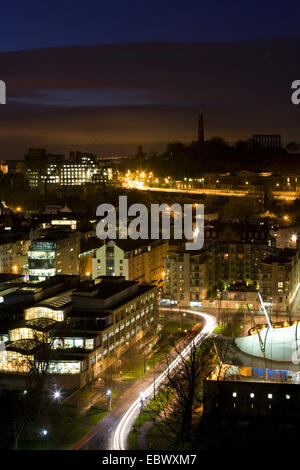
{"x":137,"y":260}
{"x":279,"y":279}
{"x":85,"y":331}
{"x":187,"y":277}
{"x":53,"y":255}
{"x":13,"y":255}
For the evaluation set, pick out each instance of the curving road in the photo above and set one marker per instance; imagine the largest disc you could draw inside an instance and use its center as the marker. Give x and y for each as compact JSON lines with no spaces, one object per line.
{"x":112,"y":432}
{"x":122,"y":431}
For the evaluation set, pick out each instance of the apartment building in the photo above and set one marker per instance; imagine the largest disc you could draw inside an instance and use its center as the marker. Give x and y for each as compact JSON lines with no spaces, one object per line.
{"x":238,"y":252}
{"x":187,"y":277}
{"x":13,"y":253}
{"x":88,"y":251}
{"x":279,"y":279}
{"x":137,"y":260}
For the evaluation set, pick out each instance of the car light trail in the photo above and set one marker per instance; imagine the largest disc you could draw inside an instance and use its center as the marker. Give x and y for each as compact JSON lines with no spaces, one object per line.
{"x":126,"y":422}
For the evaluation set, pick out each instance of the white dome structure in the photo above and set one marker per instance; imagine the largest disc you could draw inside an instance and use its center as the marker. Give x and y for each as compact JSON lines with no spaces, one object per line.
{"x":280,"y":344}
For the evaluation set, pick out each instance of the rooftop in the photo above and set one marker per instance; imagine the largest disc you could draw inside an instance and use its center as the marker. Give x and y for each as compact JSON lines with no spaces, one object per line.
{"x":282,"y":257}
{"x":57,"y":303}
{"x":105,"y":294}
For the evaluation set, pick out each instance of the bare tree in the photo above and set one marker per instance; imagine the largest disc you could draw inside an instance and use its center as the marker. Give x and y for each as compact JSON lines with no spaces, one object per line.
{"x":38,"y":350}
{"x":181,"y":392}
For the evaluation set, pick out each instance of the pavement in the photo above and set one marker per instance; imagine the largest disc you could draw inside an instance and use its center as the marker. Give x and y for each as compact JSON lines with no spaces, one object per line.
{"x":100,"y":436}
{"x":142,"y":434}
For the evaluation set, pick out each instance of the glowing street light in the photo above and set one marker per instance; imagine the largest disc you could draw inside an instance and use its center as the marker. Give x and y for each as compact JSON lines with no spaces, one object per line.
{"x":44,"y":434}
{"x":57,"y":395}
{"x":108,"y":396}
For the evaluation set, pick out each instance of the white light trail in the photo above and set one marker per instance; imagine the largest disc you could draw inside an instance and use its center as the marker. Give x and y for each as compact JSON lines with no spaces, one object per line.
{"x":264,"y":310}
{"x":123,"y":429}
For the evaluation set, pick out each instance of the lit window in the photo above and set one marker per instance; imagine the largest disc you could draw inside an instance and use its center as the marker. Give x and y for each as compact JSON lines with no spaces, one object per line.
{"x":270,"y":396}
{"x":234,"y":394}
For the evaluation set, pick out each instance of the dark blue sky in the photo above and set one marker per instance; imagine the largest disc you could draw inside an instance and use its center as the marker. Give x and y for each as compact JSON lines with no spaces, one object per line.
{"x":35,"y":24}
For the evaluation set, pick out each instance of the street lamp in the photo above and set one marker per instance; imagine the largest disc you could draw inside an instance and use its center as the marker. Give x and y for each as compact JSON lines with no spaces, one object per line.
{"x":141,"y":406}
{"x":44,"y":436}
{"x":154,"y":377}
{"x":57,"y":395}
{"x":108,"y":396}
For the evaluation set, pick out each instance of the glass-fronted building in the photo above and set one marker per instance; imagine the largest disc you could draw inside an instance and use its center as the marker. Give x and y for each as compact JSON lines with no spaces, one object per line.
{"x":41,"y":260}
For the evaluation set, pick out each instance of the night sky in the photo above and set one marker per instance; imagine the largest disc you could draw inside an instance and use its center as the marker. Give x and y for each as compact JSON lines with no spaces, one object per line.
{"x":146,"y":69}
{"x":35,"y":24}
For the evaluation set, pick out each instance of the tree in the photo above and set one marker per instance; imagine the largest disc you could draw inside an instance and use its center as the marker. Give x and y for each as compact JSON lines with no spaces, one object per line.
{"x":38,"y":350}
{"x":217,"y":142}
{"x":181,"y":392}
{"x":17,"y":417}
{"x":241,"y":146}
{"x":293,"y":147}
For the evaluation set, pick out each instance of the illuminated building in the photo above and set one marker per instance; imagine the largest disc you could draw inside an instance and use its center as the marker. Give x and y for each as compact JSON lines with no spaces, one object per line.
{"x":237,"y":252}
{"x":3,"y":167}
{"x":280,"y":344}
{"x":13,"y":253}
{"x":137,"y":260}
{"x":186,"y":277}
{"x":88,"y":249}
{"x":60,"y":220}
{"x":239,"y":297}
{"x":84,"y":331}
{"x":55,"y":254}
{"x":253,"y":400}
{"x":232,"y":254}
{"x":79,"y":169}
{"x":287,"y":237}
{"x":279,"y":279}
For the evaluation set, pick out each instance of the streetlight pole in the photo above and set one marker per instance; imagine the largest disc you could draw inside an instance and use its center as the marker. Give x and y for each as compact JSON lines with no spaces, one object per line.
{"x":44,"y":435}
{"x":108,"y":396}
{"x":141,"y":407}
{"x":154,"y":378}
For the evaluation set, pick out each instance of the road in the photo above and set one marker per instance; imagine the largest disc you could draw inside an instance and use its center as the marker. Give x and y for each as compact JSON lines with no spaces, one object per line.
{"x":112,"y":432}
{"x":283,"y":195}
